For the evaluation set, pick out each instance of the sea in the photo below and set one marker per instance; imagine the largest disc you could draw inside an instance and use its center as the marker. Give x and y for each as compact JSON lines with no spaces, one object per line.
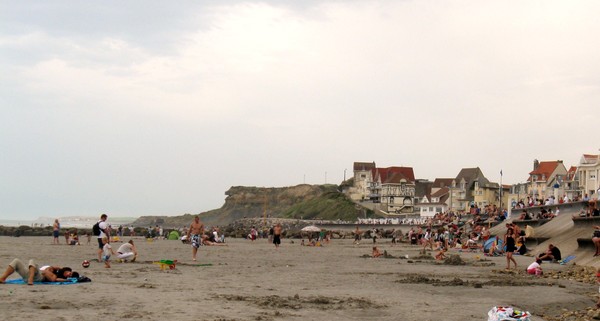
{"x":68,"y":221}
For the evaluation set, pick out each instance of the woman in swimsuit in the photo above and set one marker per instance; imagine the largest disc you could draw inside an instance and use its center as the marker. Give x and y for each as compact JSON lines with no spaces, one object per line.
{"x":509,"y":240}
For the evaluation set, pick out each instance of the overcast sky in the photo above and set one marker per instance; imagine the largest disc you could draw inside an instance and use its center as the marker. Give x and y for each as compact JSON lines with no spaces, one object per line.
{"x":157,"y":108}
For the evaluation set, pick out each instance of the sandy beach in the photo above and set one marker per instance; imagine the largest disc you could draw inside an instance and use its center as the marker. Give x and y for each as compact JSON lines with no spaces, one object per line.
{"x":252,"y":281}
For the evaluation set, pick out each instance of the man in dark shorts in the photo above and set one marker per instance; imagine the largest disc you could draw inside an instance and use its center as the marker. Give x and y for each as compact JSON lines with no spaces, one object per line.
{"x":103,"y":233}
{"x":277,"y":235}
{"x":357,"y":234}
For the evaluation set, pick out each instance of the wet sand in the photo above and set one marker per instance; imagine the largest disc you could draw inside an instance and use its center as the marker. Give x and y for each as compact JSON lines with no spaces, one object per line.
{"x":252,"y":281}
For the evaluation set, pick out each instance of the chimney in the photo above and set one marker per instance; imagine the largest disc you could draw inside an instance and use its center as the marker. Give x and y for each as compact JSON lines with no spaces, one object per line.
{"x":536,"y":164}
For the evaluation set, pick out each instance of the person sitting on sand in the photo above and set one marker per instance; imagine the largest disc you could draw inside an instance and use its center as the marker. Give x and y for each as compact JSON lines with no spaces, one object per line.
{"x":552,"y":254}
{"x":441,"y":255}
{"x":535,"y":268}
{"x":206,"y":241}
{"x":376,"y":252}
{"x":596,"y":239}
{"x":32,"y":273}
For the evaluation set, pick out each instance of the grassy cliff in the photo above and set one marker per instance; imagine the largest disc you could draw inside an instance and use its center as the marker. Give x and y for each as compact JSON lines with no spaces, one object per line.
{"x":300,"y":201}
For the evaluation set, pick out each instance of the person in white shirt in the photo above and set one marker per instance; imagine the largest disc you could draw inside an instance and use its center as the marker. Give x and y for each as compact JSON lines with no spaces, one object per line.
{"x":535,"y":268}
{"x":103,"y":233}
{"x":127,"y":251}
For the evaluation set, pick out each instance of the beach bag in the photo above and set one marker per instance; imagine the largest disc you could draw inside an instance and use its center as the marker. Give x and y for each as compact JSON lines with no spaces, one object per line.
{"x":96,"y":229}
{"x":508,"y":314}
{"x":83,"y":279}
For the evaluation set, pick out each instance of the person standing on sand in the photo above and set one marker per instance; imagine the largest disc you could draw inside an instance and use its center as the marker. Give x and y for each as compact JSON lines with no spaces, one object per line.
{"x":509,"y":240}
{"x":107,"y":252}
{"x":277,"y":235}
{"x":103,"y":233}
{"x":357,"y":233}
{"x":55,"y":231}
{"x":195,"y":235}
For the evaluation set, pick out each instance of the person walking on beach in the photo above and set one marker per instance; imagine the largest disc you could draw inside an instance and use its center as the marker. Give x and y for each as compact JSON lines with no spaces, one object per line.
{"x":357,"y":234}
{"x":195,"y":235}
{"x":103,"y":232}
{"x":277,"y":235}
{"x":55,"y":231}
{"x":509,"y":240}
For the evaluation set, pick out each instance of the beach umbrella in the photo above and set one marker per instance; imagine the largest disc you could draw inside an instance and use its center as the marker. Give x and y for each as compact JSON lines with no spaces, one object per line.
{"x":311,"y":228}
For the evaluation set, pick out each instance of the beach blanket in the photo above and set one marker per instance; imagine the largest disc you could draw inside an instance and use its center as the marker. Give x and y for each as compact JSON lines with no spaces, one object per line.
{"x":566,"y":260}
{"x":21,"y":281}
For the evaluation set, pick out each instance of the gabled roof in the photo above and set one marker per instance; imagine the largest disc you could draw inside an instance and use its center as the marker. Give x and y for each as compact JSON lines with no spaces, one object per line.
{"x":442,"y":182}
{"x":423,"y":189}
{"x":393,"y":175}
{"x":470,"y":176}
{"x":589,"y":159}
{"x":441,"y":192}
{"x":544,"y":169}
{"x":361,"y":166}
{"x":571,"y":173}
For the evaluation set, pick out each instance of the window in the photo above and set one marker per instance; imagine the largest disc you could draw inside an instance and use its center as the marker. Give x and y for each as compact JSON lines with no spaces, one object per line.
{"x":592,"y":176}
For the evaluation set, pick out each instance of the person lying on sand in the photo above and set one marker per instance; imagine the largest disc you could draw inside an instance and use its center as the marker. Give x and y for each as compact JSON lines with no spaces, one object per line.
{"x":206,"y":241}
{"x":32,"y":273}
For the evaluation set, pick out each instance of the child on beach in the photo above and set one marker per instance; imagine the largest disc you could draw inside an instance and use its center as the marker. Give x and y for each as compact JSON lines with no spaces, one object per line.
{"x":535,"y":268}
{"x":107,"y":251}
{"x":376,"y":252}
{"x":441,"y":255}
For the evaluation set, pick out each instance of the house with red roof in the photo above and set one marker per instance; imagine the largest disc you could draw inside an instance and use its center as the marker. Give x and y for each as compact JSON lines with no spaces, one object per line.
{"x":547,"y":179}
{"x":394,"y":188}
{"x":391,"y":187}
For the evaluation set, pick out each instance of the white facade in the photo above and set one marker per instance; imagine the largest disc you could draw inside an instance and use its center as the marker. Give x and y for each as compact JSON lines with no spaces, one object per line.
{"x":588,"y":173}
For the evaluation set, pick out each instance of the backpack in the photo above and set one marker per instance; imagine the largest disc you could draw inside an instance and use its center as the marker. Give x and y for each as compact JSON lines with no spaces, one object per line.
{"x":96,"y":229}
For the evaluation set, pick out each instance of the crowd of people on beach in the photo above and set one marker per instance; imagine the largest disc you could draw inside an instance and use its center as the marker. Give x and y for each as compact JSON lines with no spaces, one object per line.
{"x":439,"y":234}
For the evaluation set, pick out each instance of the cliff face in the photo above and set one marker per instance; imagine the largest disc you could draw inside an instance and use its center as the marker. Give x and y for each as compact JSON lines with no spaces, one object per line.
{"x":306,"y":201}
